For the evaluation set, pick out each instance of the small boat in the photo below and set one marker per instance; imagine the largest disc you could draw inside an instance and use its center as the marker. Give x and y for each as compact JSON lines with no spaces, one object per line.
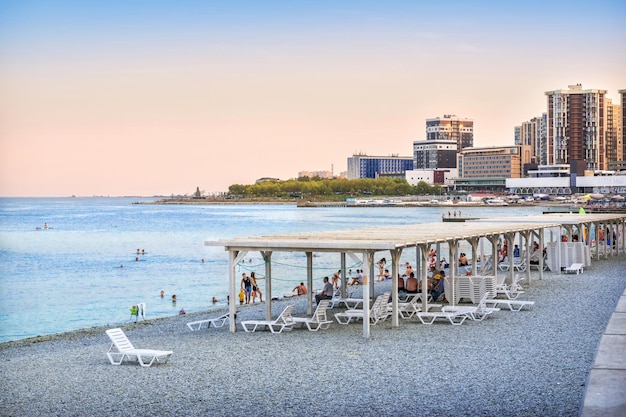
{"x":496,"y":202}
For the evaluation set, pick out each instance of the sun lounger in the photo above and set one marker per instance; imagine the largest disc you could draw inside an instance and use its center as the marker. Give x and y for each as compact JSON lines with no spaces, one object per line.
{"x":574,"y":268}
{"x":412,"y":306}
{"x":121,"y":349}
{"x":319,"y":320}
{"x":216,"y":322}
{"x":283,"y":322}
{"x":429,"y":317}
{"x":519,"y":264}
{"x":511,"y":291}
{"x":349,"y":302}
{"x":475,"y":313}
{"x":378,"y":311}
{"x":513,"y":305}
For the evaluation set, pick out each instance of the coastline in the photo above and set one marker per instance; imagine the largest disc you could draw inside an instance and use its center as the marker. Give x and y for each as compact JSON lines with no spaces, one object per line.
{"x":532,"y":363}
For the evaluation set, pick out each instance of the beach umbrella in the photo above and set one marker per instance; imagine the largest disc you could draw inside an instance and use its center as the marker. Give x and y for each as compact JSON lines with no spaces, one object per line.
{"x":586,"y":197}
{"x":617,"y":198}
{"x":597,"y":196}
{"x":581,"y":211}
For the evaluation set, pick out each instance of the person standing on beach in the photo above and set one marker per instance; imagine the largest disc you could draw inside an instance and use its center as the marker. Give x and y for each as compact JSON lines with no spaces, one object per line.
{"x":381,"y":268}
{"x":336,"y":278}
{"x":246,"y":286}
{"x":256,"y":290}
{"x":326,"y":293}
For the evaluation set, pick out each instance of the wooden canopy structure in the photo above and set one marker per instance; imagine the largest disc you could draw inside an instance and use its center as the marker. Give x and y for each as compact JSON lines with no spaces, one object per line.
{"x":362,"y":244}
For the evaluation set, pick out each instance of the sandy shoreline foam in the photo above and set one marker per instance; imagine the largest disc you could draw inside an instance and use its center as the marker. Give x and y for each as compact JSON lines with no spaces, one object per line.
{"x":532,"y":363}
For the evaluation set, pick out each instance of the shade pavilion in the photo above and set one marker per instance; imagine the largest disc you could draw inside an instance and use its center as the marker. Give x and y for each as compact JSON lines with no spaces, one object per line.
{"x":362,"y":244}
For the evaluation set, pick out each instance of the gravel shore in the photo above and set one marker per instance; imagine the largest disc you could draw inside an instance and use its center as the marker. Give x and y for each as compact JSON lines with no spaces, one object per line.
{"x":527,"y":363}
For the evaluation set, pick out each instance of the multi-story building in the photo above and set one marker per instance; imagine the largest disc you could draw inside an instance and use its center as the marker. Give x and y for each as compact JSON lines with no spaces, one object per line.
{"x":488,"y":168}
{"x":433,"y":154}
{"x":614,"y":142}
{"x":364,"y":166}
{"x":621,"y":165}
{"x":450,"y":127}
{"x":576,"y":127}
{"x":533,"y":137}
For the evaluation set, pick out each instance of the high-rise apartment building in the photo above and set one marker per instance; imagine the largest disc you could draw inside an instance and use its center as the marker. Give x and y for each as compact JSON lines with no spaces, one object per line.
{"x":450,"y":127}
{"x":622,"y":134}
{"x":577,"y":127}
{"x":614,"y":144}
{"x":532,"y":136}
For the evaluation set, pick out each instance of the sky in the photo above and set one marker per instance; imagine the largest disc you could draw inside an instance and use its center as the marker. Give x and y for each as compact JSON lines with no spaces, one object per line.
{"x":144,"y":98}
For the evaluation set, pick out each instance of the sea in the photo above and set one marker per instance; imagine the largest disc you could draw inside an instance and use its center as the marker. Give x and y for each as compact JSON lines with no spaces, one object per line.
{"x":73,"y":263}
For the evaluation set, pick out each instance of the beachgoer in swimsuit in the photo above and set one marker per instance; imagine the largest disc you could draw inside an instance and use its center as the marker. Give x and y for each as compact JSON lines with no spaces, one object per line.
{"x":256,"y":290}
{"x":301,"y":289}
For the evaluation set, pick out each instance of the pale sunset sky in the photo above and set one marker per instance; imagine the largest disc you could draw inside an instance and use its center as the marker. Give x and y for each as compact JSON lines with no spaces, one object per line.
{"x":143,"y":98}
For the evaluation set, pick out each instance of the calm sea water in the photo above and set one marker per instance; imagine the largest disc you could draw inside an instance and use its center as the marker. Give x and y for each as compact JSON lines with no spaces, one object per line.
{"x":70,"y":275}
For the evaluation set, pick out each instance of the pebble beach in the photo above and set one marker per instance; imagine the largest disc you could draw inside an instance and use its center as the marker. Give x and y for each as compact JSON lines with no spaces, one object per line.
{"x":528,"y":363}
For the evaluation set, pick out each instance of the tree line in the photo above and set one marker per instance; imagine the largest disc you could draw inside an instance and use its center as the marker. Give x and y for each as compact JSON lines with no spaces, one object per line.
{"x":323,"y":187}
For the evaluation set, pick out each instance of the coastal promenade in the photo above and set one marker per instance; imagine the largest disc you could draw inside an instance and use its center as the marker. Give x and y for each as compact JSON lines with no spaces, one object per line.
{"x":606,"y":387}
{"x":530,"y":363}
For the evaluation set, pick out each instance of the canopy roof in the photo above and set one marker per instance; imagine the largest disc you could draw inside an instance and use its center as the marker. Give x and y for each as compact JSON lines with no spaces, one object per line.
{"x":402,"y":236}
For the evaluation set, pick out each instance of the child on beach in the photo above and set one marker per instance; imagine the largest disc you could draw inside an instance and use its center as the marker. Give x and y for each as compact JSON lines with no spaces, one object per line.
{"x":242,"y":295}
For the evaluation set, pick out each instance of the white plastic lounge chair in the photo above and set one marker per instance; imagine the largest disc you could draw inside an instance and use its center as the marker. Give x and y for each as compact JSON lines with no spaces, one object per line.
{"x":510,"y":291}
{"x":534,"y":261}
{"x":429,"y":317}
{"x":121,"y":349}
{"x":574,"y":268}
{"x":475,"y":313}
{"x":378,"y":311}
{"x":513,"y":305}
{"x":349,"y":302}
{"x":283,"y":322}
{"x":412,"y":305}
{"x":519,"y":264}
{"x":319,"y":320}
{"x":215,"y":322}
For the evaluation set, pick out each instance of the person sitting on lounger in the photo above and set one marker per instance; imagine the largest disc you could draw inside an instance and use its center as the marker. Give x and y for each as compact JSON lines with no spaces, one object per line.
{"x":411,"y":284}
{"x":401,"y":284}
{"x":437,"y":286}
{"x":358,"y":278}
{"x":326,"y":293}
{"x":463,"y":260}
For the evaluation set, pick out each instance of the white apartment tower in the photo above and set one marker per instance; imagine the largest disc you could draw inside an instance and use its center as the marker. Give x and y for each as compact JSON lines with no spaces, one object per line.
{"x":532,"y":135}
